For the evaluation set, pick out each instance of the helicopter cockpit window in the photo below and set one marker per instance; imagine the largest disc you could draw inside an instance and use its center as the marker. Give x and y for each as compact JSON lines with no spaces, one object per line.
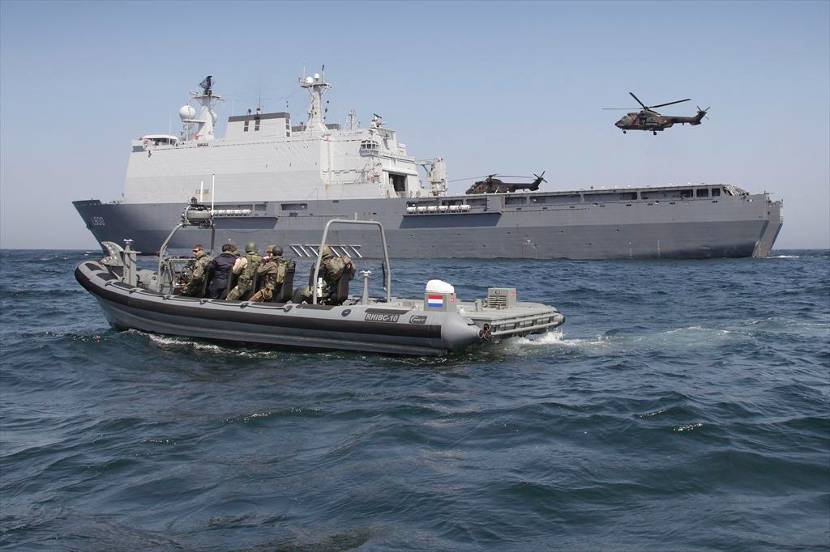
{"x":702,"y":192}
{"x":715,"y":192}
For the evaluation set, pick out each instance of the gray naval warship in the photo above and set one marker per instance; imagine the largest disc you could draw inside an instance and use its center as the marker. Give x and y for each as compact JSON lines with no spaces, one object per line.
{"x":274,"y":181}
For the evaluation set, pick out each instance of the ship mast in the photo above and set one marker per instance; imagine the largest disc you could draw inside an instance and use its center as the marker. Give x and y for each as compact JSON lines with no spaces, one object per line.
{"x":206,"y":121}
{"x":315,"y":84}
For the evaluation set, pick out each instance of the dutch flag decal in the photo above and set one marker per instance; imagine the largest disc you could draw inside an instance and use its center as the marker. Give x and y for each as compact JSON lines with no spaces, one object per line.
{"x":435,"y":301}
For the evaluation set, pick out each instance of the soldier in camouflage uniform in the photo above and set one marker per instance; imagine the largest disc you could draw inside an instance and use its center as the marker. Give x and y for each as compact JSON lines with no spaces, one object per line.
{"x":332,"y":269}
{"x":245,"y":267}
{"x":271,"y":273}
{"x":200,"y":271}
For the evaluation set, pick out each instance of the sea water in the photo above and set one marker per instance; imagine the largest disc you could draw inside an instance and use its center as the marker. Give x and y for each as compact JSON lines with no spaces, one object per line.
{"x":682,"y":406}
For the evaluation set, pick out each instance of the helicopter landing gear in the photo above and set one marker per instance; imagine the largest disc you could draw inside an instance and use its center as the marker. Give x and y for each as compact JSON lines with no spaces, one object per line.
{"x":654,"y":132}
{"x":624,"y":132}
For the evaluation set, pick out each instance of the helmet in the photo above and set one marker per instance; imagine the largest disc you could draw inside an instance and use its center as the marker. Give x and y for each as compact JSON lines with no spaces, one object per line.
{"x":250,"y":247}
{"x":274,"y":250}
{"x":326,"y":251}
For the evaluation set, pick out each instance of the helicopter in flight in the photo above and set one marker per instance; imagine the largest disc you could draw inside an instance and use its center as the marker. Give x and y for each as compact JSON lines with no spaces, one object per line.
{"x":493,"y":185}
{"x":648,"y":119}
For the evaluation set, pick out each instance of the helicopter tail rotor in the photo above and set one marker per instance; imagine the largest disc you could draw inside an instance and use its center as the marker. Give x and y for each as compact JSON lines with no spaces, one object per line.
{"x":538,"y":179}
{"x":701,"y":113}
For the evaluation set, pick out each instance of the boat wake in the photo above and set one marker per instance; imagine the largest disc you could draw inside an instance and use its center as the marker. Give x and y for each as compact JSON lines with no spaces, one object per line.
{"x":556,"y":339}
{"x":183,"y":343}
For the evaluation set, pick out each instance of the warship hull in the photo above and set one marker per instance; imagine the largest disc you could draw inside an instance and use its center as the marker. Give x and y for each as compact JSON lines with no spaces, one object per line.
{"x":589,"y":225}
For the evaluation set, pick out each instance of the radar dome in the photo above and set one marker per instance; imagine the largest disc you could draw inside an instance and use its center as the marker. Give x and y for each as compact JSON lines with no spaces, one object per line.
{"x":309,"y":80}
{"x":187,"y":112}
{"x":316,"y":76}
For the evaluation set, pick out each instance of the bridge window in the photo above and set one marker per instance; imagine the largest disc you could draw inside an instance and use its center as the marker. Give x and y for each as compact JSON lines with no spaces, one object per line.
{"x":715,"y":192}
{"x":702,"y":192}
{"x":369,"y":147}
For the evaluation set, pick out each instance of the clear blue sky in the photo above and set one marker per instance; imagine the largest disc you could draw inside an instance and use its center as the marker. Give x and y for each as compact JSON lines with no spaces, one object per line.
{"x":493,"y":87}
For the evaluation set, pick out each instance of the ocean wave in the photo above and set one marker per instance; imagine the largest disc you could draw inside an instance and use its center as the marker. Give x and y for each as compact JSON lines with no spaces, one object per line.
{"x":692,"y":405}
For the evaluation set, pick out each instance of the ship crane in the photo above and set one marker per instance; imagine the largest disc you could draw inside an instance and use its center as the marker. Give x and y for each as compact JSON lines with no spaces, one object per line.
{"x":436,"y":170}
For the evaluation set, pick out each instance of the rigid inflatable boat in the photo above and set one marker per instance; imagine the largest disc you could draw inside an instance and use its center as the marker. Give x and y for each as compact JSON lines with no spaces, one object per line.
{"x":436,"y":324}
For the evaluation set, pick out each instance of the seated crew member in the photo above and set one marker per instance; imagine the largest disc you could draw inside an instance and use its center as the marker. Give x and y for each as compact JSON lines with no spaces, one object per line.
{"x":200,"y":270}
{"x":222,"y":265}
{"x":332,"y":269}
{"x":271,"y":273}
{"x":245,"y":267}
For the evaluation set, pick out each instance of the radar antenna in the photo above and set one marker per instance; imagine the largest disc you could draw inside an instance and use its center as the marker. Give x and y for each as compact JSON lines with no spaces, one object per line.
{"x":207,"y":85}
{"x":205,"y":122}
{"x":316,"y":85}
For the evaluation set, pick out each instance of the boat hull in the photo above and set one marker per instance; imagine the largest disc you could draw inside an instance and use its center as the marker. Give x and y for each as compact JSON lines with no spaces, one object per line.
{"x":316,"y":327}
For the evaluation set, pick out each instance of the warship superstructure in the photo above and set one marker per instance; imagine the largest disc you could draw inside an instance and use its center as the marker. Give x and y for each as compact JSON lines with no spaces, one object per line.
{"x":269,"y":180}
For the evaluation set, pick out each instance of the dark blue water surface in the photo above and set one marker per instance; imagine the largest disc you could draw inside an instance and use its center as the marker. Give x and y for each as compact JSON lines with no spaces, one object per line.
{"x":683,"y":407}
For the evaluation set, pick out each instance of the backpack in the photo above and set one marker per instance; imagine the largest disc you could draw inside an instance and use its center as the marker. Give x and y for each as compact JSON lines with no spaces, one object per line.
{"x":249,"y":271}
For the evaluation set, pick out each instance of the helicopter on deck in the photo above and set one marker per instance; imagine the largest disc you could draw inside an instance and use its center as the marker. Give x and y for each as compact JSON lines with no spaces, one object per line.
{"x":493,"y":185}
{"x":648,"y":119}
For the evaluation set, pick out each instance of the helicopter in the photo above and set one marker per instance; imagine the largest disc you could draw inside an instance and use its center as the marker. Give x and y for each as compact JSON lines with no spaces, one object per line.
{"x":493,"y":185}
{"x":648,"y":119}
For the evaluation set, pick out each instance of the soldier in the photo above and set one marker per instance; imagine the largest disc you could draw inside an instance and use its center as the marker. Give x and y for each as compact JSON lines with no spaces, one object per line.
{"x":245,"y":267}
{"x":332,"y":269}
{"x":200,"y":272}
{"x":271,"y":273}
{"x":222,"y":265}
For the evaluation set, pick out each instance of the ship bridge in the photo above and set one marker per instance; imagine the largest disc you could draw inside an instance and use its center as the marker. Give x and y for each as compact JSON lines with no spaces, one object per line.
{"x":263,"y":156}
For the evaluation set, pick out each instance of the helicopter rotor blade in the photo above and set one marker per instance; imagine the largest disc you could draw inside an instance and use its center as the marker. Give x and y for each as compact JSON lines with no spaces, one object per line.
{"x":467,"y":178}
{"x":621,"y":108}
{"x":638,"y":100}
{"x":671,"y":103}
